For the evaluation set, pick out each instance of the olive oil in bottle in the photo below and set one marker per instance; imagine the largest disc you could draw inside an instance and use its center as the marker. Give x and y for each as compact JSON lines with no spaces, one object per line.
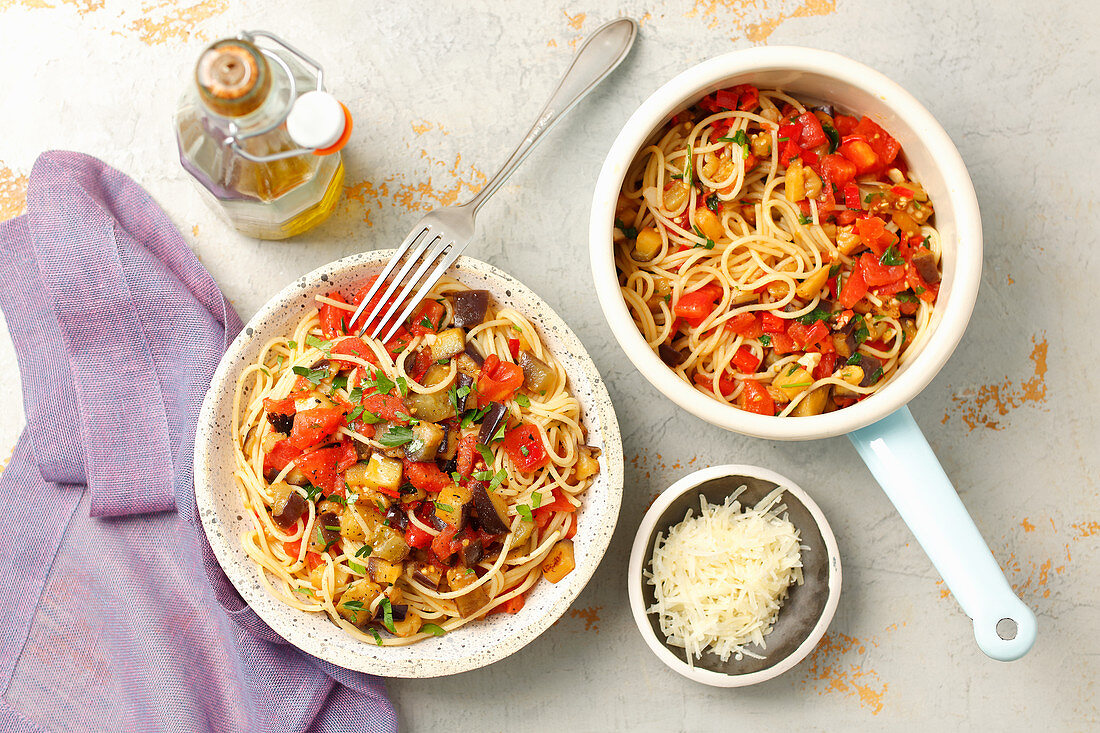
{"x":260,"y":134}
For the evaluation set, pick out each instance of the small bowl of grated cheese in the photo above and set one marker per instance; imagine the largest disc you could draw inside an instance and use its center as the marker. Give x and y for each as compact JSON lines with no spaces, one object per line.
{"x":734,"y":575}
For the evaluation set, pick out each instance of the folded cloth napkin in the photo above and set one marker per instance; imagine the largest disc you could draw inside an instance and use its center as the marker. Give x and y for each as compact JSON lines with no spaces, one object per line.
{"x":116,"y":615}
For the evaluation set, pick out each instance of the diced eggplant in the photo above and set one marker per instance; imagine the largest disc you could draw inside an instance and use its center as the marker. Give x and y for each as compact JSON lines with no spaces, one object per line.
{"x":408,"y":625}
{"x":872,"y":370}
{"x":491,"y":422}
{"x":448,"y":343}
{"x":355,"y":603}
{"x":670,"y":356}
{"x":474,"y":600}
{"x":350,"y":528}
{"x":326,"y":531}
{"x":449,"y":447}
{"x":465,"y":386}
{"x":400,"y":611}
{"x":383,"y":572}
{"x":813,"y":403}
{"x":559,"y":561}
{"x":472,"y":552}
{"x":289,"y":505}
{"x":433,"y":407}
{"x":380,"y":473}
{"x":363,"y":450}
{"x":428,"y":575}
{"x":470,"y":307}
{"x":925,"y":263}
{"x":588,"y":463}
{"x":475,"y":354}
{"x":425,"y":443}
{"x":491,"y":509}
{"x":538,"y":376}
{"x":450,"y":505}
{"x":388,"y":544}
{"x":396,"y":518}
{"x":281,"y":423}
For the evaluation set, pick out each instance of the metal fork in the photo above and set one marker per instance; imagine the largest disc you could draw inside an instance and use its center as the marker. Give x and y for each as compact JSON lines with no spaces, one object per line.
{"x":441,"y":236}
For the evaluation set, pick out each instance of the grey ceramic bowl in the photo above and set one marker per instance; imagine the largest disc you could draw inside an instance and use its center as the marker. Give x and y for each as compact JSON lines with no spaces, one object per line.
{"x":475,"y":644}
{"x":805,"y":614}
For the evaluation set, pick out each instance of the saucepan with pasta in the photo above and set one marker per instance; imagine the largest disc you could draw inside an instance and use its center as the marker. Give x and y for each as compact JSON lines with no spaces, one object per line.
{"x":788,"y":245}
{"x":417,"y":507}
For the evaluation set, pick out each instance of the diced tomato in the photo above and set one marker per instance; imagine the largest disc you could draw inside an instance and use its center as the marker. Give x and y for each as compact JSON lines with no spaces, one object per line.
{"x":872,"y":232}
{"x":525,"y":448}
{"x":572,"y":531}
{"x":399,"y":341}
{"x":812,"y":132}
{"x":809,"y":158}
{"x":280,"y":454}
{"x":320,"y":467}
{"x":498,"y":380}
{"x":874,"y":272}
{"x":788,"y":152}
{"x":773,"y":323}
{"x":301,"y":384}
{"x":855,"y":287}
{"x":838,"y":170}
{"x":746,"y":361}
{"x":427,"y":476}
{"x":360,"y":323}
{"x":444,"y":545}
{"x":353,"y":346}
{"x":558,"y":504}
{"x":806,"y":336}
{"x":293,"y":548}
{"x":749,"y":97}
{"x":726,"y":99}
{"x":695,"y":306}
{"x":886,"y":147}
{"x":745,"y":324}
{"x":514,"y":605}
{"x":313,"y":561}
{"x":421,"y":363}
{"x":924,"y":290}
{"x":851,"y":197}
{"x":332,"y":317}
{"x":844,"y":124}
{"x":427,"y":317}
{"x":790,"y":133}
{"x":513,"y":348}
{"x":902,"y":191}
{"x":467,"y":456}
{"x":846,"y":217}
{"x":726,"y":384}
{"x":885,"y":291}
{"x":347,"y":457}
{"x":313,"y":426}
{"x":860,"y":153}
{"x":416,"y":537}
{"x":280,"y":407}
{"x":783,"y":344}
{"x":755,"y":398}
{"x":826,"y":366}
{"x":387,"y":406}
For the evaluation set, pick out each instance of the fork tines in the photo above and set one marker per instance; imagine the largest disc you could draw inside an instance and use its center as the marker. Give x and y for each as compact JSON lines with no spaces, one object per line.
{"x":423,"y":248}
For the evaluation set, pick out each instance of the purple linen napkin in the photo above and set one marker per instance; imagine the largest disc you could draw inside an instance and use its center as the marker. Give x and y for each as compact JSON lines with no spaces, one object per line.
{"x":116,"y":615}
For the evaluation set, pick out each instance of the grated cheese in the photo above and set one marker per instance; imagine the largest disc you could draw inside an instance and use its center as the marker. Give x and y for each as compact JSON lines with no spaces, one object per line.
{"x":720,"y":578}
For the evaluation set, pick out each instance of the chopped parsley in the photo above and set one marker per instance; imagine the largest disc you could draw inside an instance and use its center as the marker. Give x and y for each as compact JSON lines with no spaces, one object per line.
{"x":709,"y":243}
{"x":473,"y":416}
{"x":906,"y":298}
{"x":817,"y":314}
{"x":713,"y":203}
{"x":687,"y":166}
{"x":834,"y":270}
{"x":292,"y":344}
{"x":498,"y":479}
{"x":833,"y":135}
{"x":377,"y":636}
{"x":926,"y":242}
{"x":891,"y":258}
{"x":387,"y":615}
{"x":317,"y":343}
{"x":523,"y":400}
{"x":525,"y":450}
{"x":525,"y":511}
{"x":628,"y":232}
{"x":403,"y":386}
{"x":364,"y":551}
{"x":312,"y":492}
{"x":357,"y":568}
{"x":313,"y":375}
{"x":396,"y":436}
{"x":356,"y":394}
{"x":369,"y":417}
{"x":381,"y":383}
{"x":803,"y":219}
{"x":766,"y":340}
{"x":498,"y":435}
{"x":440,"y":506}
{"x":872,"y":196}
{"x":483,"y":475}
{"x":486,"y":453}
{"x":536,"y":499}
{"x":433,"y":629}
{"x":340,"y":383}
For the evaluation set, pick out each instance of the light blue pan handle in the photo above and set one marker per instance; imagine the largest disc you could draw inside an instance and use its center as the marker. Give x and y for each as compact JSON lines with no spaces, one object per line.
{"x":904,"y":465}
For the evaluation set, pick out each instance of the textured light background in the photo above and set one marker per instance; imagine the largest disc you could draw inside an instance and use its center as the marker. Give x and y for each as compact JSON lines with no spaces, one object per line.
{"x":442,"y":91}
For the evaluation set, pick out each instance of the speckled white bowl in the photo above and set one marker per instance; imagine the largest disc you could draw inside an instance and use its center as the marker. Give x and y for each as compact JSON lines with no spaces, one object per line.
{"x":476,"y":644}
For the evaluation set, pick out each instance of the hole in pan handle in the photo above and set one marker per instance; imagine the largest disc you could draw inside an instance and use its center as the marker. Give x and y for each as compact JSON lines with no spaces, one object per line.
{"x":904,"y":465}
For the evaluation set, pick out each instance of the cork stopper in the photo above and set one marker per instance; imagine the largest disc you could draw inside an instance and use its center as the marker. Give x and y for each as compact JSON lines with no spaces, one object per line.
{"x":233,"y":77}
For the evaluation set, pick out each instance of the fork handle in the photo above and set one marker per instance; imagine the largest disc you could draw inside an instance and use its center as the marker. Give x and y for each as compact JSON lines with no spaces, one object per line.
{"x":597,"y":57}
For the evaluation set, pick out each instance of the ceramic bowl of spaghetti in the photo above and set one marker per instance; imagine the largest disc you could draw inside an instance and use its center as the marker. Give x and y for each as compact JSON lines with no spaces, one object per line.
{"x":414,"y":508}
{"x":784,"y":232}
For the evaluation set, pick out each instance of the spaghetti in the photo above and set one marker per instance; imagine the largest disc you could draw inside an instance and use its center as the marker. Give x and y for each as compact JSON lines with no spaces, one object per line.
{"x":778,"y":258}
{"x":407,"y":488}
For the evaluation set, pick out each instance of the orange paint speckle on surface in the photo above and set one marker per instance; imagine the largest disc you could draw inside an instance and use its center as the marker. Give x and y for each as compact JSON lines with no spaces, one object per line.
{"x":756,"y":20}
{"x":983,"y":406}
{"x":366,"y":195}
{"x":1028,"y":526}
{"x":168,"y":21}
{"x":834,"y":667}
{"x":575,"y":21}
{"x":13,"y":193}
{"x":424,"y":195}
{"x":590,"y":616}
{"x":1086,"y":529}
